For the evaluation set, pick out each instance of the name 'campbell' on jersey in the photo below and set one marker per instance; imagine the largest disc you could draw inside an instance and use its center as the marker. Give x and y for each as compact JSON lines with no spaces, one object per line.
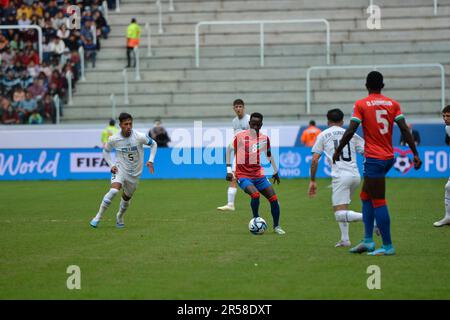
{"x":129,"y":151}
{"x":327,"y":142}
{"x":377,"y":114}
{"x":248,"y":147}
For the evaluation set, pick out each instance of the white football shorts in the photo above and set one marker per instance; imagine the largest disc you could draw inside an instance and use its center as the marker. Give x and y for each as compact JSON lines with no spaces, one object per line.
{"x":129,"y":183}
{"x":343,"y":189}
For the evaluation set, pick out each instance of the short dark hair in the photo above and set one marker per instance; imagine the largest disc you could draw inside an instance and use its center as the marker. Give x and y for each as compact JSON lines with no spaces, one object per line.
{"x":133,"y":20}
{"x":124,"y":116}
{"x":446,"y":109}
{"x":238,"y":101}
{"x":312,"y":123}
{"x":112,"y":122}
{"x":256,"y":115}
{"x":335,"y":115}
{"x":374,"y":80}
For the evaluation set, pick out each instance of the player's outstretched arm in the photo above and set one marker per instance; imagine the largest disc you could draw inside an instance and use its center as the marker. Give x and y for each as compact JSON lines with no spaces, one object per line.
{"x":151,"y":159}
{"x":410,"y":141}
{"x":348,"y":135}
{"x":312,"y":190}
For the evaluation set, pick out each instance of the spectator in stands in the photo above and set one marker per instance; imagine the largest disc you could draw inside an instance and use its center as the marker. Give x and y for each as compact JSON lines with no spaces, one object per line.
{"x":16,"y":43}
{"x":159,"y":134}
{"x":27,"y":106}
{"x":59,"y":20}
{"x":18,"y":97}
{"x":8,"y":56}
{"x":63,"y":33}
{"x":57,"y":47}
{"x":35,"y":118}
{"x":38,"y":9}
{"x":9,"y":82}
{"x":101,"y":24}
{"x":9,"y":114}
{"x":415,"y":135}
{"x":3,"y":43}
{"x":25,"y":79}
{"x":29,"y":56}
{"x":310,"y":134}
{"x":90,"y":51}
{"x":72,"y":43}
{"x":133,"y":38}
{"x":9,"y":10}
{"x":23,"y":21}
{"x":24,"y":9}
{"x":33,"y":69}
{"x":52,"y":8}
{"x":37,"y":89}
{"x":47,"y":108}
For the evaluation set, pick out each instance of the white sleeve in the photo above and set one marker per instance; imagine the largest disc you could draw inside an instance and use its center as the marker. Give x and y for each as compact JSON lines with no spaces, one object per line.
{"x":107,"y":152}
{"x":318,"y":145}
{"x":359,"y":144}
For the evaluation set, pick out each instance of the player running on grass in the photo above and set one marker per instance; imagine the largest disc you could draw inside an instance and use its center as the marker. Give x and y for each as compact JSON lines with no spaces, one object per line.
{"x":377,"y":113}
{"x":127,"y":168}
{"x":446,"y":220}
{"x":240,"y":123}
{"x":344,"y":173}
{"x":248,"y":146}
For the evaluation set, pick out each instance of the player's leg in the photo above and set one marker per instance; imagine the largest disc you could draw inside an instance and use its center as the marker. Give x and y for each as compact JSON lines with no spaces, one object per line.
{"x":231,"y":193}
{"x":343,"y":188}
{"x":446,"y":219}
{"x":268,"y":192}
{"x":377,"y":191}
{"x":249,"y":188}
{"x":129,"y":188}
{"x":116,"y":185}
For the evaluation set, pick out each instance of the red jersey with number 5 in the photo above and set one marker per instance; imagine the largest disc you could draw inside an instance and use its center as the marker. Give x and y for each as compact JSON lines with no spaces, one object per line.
{"x":377,"y":114}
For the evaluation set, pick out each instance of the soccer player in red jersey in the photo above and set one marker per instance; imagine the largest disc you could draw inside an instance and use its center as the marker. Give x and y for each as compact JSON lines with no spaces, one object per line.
{"x":248,"y":145}
{"x":377,"y":113}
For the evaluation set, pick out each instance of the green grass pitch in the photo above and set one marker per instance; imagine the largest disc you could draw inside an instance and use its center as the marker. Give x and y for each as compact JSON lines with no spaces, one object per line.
{"x":177,"y":246}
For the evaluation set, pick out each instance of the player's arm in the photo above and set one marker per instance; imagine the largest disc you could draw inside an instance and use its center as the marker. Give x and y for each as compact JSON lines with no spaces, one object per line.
{"x":348,"y":135}
{"x":231,"y":147}
{"x":410,"y":141}
{"x":268,"y":151}
{"x":312,"y":190}
{"x":153,"y":147}
{"x":107,"y":156}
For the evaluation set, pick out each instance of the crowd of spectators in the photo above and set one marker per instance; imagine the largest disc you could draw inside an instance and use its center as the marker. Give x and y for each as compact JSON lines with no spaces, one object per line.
{"x":29,"y":86}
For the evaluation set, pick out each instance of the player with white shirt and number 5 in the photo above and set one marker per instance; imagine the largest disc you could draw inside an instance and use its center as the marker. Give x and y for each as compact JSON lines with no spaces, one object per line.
{"x":446,"y":220}
{"x":127,"y":169}
{"x":344,"y":173}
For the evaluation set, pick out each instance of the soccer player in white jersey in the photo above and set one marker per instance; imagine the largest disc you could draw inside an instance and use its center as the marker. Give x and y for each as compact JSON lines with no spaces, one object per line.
{"x":127,"y":169}
{"x":446,"y":220}
{"x":344,"y":173}
{"x":240,"y":123}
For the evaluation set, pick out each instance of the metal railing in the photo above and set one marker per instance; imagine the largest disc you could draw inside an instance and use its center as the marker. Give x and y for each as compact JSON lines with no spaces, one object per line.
{"x":40,"y":38}
{"x":57,"y":102}
{"x":435,"y":6}
{"x":112,"y":97}
{"x":125,"y":87}
{"x":136,"y":57}
{"x":69,"y":84}
{"x":261,"y":23}
{"x":160,"y":17}
{"x":373,"y":67}
{"x":105,"y":10}
{"x":117,"y":6}
{"x":81,"y":53}
{"x":171,"y":7}
{"x":149,"y":39}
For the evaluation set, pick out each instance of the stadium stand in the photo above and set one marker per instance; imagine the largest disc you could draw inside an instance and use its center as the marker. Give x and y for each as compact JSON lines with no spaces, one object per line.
{"x":173,"y":88}
{"x":28,"y":84}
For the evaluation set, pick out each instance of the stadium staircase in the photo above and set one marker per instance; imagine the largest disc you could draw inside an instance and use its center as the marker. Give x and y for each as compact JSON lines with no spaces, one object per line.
{"x":171,"y":87}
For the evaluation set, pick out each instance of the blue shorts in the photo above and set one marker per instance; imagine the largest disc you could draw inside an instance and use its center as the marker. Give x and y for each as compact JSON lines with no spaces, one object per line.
{"x":376,"y":168}
{"x":259,"y":183}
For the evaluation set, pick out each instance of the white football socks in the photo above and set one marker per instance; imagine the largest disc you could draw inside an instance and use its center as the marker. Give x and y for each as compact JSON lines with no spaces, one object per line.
{"x":122,"y":208}
{"x":107,"y":199}
{"x":447,"y":200}
{"x":231,"y":196}
{"x":344,"y":231}
{"x":347,"y":216}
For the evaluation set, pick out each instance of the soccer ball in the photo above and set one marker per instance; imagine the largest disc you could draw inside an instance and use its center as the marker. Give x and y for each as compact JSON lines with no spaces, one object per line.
{"x":257,"y":225}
